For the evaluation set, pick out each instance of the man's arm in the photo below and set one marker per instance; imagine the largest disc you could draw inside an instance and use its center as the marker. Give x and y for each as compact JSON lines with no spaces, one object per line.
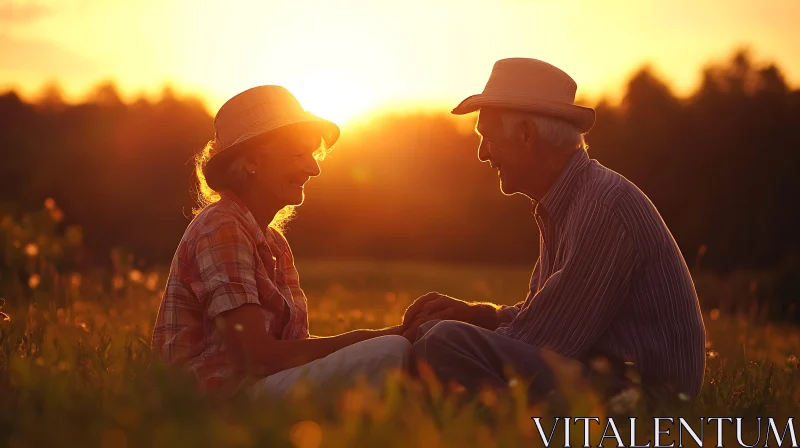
{"x":577,"y":303}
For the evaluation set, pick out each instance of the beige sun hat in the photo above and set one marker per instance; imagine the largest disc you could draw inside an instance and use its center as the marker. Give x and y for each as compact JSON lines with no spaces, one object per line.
{"x":530,"y":85}
{"x":260,"y":110}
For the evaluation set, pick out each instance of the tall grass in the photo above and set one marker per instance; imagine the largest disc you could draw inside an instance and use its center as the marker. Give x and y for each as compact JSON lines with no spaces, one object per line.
{"x":76,"y":368}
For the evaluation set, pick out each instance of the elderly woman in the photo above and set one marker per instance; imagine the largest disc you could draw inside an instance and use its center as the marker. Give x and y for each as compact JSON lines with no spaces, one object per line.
{"x":233,"y":308}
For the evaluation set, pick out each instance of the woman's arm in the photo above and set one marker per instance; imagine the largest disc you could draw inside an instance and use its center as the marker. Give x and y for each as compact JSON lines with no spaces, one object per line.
{"x":258,"y":352}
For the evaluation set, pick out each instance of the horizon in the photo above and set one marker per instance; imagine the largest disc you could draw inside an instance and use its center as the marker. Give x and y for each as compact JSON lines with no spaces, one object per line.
{"x":378,"y":110}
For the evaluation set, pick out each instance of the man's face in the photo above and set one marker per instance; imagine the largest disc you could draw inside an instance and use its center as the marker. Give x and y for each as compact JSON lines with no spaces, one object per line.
{"x":509,"y":155}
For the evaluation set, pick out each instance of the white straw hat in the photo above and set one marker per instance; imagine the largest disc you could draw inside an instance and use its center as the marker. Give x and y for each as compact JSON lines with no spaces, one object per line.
{"x":530,"y":85}
{"x":260,"y":110}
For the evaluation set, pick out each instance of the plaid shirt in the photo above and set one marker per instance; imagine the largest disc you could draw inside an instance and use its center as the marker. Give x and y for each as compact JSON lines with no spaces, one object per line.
{"x":223,"y":261}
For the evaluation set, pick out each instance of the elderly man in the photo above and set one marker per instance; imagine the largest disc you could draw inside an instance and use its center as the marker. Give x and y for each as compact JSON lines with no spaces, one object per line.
{"x":609,"y":282}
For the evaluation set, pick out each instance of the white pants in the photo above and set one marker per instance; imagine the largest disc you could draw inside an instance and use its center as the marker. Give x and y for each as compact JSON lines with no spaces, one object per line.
{"x":370,"y":359}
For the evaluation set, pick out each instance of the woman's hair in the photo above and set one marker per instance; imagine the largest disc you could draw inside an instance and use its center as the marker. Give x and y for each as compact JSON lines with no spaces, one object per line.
{"x":230,"y":174}
{"x":554,"y":132}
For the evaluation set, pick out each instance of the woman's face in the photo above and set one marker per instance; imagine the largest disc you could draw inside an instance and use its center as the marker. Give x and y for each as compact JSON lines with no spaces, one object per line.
{"x":282,"y":167}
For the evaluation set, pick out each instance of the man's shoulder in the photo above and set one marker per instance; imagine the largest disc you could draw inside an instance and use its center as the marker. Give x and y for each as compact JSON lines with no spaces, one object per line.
{"x":618,"y":195}
{"x":606,"y":186}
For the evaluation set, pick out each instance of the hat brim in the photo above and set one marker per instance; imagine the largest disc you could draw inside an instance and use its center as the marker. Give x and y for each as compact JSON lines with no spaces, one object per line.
{"x":328,"y":130}
{"x":582,"y":117}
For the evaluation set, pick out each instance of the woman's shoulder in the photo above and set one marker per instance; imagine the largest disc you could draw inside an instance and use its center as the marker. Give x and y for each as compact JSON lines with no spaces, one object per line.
{"x":212,"y":218}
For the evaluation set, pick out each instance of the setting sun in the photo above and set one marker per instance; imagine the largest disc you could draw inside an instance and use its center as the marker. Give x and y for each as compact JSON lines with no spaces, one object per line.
{"x":332,"y":98}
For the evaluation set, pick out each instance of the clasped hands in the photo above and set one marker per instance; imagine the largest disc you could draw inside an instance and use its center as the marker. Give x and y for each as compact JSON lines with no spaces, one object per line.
{"x":434,"y":306}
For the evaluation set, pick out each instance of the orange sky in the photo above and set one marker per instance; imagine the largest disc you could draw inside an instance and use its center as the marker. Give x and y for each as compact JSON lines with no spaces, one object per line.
{"x":345,"y":57}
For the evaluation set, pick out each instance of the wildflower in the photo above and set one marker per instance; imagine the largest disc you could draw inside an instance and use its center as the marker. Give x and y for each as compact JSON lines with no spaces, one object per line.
{"x":50,"y":203}
{"x":488,"y":397}
{"x":458,"y":388}
{"x":152,"y":281}
{"x":75,"y":280}
{"x":31,"y":250}
{"x":714,"y":314}
{"x":57,"y":215}
{"x":352,"y":401}
{"x":34,"y":281}
{"x":712,"y":354}
{"x":306,"y":434}
{"x":136,"y":276}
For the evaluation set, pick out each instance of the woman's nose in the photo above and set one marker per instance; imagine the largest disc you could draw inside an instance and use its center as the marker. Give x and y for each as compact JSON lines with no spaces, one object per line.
{"x":312,"y":168}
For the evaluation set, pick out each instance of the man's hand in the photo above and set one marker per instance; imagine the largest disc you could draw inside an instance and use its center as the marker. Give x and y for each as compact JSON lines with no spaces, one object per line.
{"x":437,"y":306}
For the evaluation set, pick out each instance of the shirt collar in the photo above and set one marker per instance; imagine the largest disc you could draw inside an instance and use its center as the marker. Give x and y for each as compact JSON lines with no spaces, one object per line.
{"x":250,"y":221}
{"x":555,"y":202}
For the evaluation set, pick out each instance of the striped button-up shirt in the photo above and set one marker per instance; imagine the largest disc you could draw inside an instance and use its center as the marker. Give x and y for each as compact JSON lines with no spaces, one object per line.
{"x":611,"y":281}
{"x":223,"y":261}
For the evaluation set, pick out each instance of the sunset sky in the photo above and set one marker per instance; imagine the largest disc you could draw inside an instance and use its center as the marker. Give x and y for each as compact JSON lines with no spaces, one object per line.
{"x":345,"y":57}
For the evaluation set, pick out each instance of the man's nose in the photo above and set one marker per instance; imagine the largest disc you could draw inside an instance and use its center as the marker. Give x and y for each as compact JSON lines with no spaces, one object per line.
{"x":483,"y":151}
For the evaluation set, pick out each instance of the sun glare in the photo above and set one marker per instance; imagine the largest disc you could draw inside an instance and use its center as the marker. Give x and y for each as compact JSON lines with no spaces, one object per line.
{"x":333,"y":98}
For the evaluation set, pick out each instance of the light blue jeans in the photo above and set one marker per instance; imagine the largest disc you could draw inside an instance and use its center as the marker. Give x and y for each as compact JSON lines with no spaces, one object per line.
{"x":370,"y":359}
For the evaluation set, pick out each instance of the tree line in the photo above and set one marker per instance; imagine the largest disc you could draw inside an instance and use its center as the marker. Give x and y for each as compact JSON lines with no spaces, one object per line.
{"x":720,"y":164}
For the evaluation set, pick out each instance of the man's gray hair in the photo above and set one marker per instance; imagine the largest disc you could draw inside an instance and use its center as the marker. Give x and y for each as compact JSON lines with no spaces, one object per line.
{"x":552,"y":131}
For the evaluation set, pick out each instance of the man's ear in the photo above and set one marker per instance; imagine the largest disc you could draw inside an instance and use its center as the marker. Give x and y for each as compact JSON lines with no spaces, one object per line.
{"x":529,"y":134}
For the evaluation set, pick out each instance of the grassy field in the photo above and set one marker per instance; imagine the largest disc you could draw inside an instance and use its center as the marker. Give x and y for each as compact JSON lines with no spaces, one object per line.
{"x":76,"y":368}
{"x":81,"y":374}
